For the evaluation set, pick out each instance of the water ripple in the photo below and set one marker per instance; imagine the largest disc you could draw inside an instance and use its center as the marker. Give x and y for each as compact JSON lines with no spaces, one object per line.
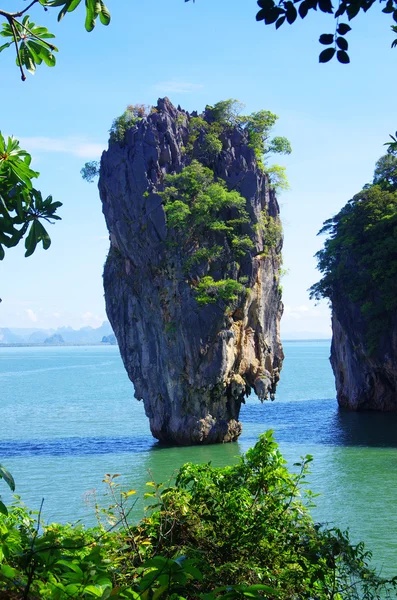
{"x":75,"y":446}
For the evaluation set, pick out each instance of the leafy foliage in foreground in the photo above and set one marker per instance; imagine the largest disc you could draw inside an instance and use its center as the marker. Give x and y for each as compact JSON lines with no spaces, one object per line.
{"x":22,"y":207}
{"x":30,"y":40}
{"x":359,"y":258}
{"x":218,"y":533}
{"x":285,"y":11}
{"x":8,"y":478}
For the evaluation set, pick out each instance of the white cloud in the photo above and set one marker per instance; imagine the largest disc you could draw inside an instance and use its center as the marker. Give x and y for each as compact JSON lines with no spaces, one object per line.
{"x":92,"y":320}
{"x":177,"y":87}
{"x":32,"y":315}
{"x":303,"y":312}
{"x":76,"y":146}
{"x":307,"y":321}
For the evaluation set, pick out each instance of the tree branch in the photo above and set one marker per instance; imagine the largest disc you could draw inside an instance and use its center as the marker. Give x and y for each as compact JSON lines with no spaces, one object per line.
{"x":10,"y":19}
{"x":51,"y":46}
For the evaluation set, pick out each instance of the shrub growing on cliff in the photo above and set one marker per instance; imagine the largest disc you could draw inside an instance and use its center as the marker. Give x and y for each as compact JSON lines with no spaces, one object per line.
{"x":359,"y":258}
{"x":90,"y":171}
{"x":131,"y":116}
{"x":209,"y":291}
{"x":231,"y":532}
{"x":258,"y":126}
{"x":198,"y":208}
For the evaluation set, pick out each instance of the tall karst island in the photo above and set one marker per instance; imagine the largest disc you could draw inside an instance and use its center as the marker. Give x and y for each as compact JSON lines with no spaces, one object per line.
{"x":192,"y":277}
{"x":359,"y":267}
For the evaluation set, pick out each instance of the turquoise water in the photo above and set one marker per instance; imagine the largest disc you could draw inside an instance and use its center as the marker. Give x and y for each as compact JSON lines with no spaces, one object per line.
{"x":68,"y":416}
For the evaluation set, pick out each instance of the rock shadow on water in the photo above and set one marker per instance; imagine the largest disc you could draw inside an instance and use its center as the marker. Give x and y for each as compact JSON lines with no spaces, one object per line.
{"x":75,"y":446}
{"x":365,"y":428}
{"x":321,"y":422}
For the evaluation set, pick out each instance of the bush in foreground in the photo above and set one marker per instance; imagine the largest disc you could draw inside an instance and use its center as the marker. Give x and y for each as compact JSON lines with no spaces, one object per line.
{"x":231,"y":532}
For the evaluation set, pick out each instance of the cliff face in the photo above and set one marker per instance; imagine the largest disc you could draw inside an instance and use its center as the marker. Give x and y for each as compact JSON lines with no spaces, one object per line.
{"x":190,"y":363}
{"x":364,"y":380}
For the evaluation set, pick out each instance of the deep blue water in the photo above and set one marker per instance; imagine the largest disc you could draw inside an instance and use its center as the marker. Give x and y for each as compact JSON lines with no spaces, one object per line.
{"x":68,"y":416}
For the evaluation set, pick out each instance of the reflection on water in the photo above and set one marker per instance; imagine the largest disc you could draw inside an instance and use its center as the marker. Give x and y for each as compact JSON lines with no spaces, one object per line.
{"x":303,"y":423}
{"x":365,"y":429}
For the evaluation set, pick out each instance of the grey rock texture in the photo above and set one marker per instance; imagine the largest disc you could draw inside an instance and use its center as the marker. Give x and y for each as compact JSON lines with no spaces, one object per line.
{"x":191,"y":365}
{"x":364,"y":380}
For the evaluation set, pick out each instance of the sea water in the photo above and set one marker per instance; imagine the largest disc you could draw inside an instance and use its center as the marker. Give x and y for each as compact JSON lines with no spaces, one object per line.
{"x":68,"y":416}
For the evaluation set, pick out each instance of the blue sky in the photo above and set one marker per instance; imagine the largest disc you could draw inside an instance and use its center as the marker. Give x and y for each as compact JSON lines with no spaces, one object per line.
{"x":336,"y":116}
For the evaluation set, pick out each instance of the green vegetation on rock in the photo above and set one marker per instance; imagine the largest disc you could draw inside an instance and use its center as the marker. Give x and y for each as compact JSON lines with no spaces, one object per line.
{"x":198,"y":207}
{"x":209,"y":291}
{"x":226,"y":533}
{"x":90,"y":171}
{"x":359,"y":258}
{"x":132,"y":114}
{"x":206,"y":130}
{"x":205,"y":220}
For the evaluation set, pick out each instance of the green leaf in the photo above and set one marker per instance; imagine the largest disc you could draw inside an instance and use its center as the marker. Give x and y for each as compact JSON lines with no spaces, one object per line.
{"x":27,"y":58}
{"x":5,"y":46}
{"x":104,"y":15}
{"x":326,"y":55}
{"x":35,"y":49}
{"x":42,"y":235}
{"x":90,"y":16}
{"x":7,"y":571}
{"x":3,"y":508}
{"x":73,"y":5}
{"x":342,"y":43}
{"x":94,"y":590}
{"x":31,"y":240}
{"x":273,"y":15}
{"x":326,"y":39}
{"x":48,"y":57}
{"x":43,"y":32}
{"x":71,"y":565}
{"x":291,"y":12}
{"x":8,"y":478}
{"x":325,"y":6}
{"x":353,"y":10}
{"x":343,"y":57}
{"x":343,"y":28}
{"x":303,"y":9}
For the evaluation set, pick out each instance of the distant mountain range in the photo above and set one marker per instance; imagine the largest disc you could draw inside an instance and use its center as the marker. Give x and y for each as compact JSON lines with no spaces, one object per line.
{"x":67,"y":335}
{"x":102,"y":334}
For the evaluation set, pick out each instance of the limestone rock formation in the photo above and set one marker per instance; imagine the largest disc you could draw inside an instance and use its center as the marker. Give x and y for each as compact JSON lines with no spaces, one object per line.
{"x":191,"y":363}
{"x":364,"y":380}
{"x":54,"y":339}
{"x":109,"y":339}
{"x":358,"y":263}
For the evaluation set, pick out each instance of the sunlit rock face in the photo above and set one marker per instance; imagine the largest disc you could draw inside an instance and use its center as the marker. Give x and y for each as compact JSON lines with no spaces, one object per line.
{"x":365,"y":379}
{"x":191,"y":365}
